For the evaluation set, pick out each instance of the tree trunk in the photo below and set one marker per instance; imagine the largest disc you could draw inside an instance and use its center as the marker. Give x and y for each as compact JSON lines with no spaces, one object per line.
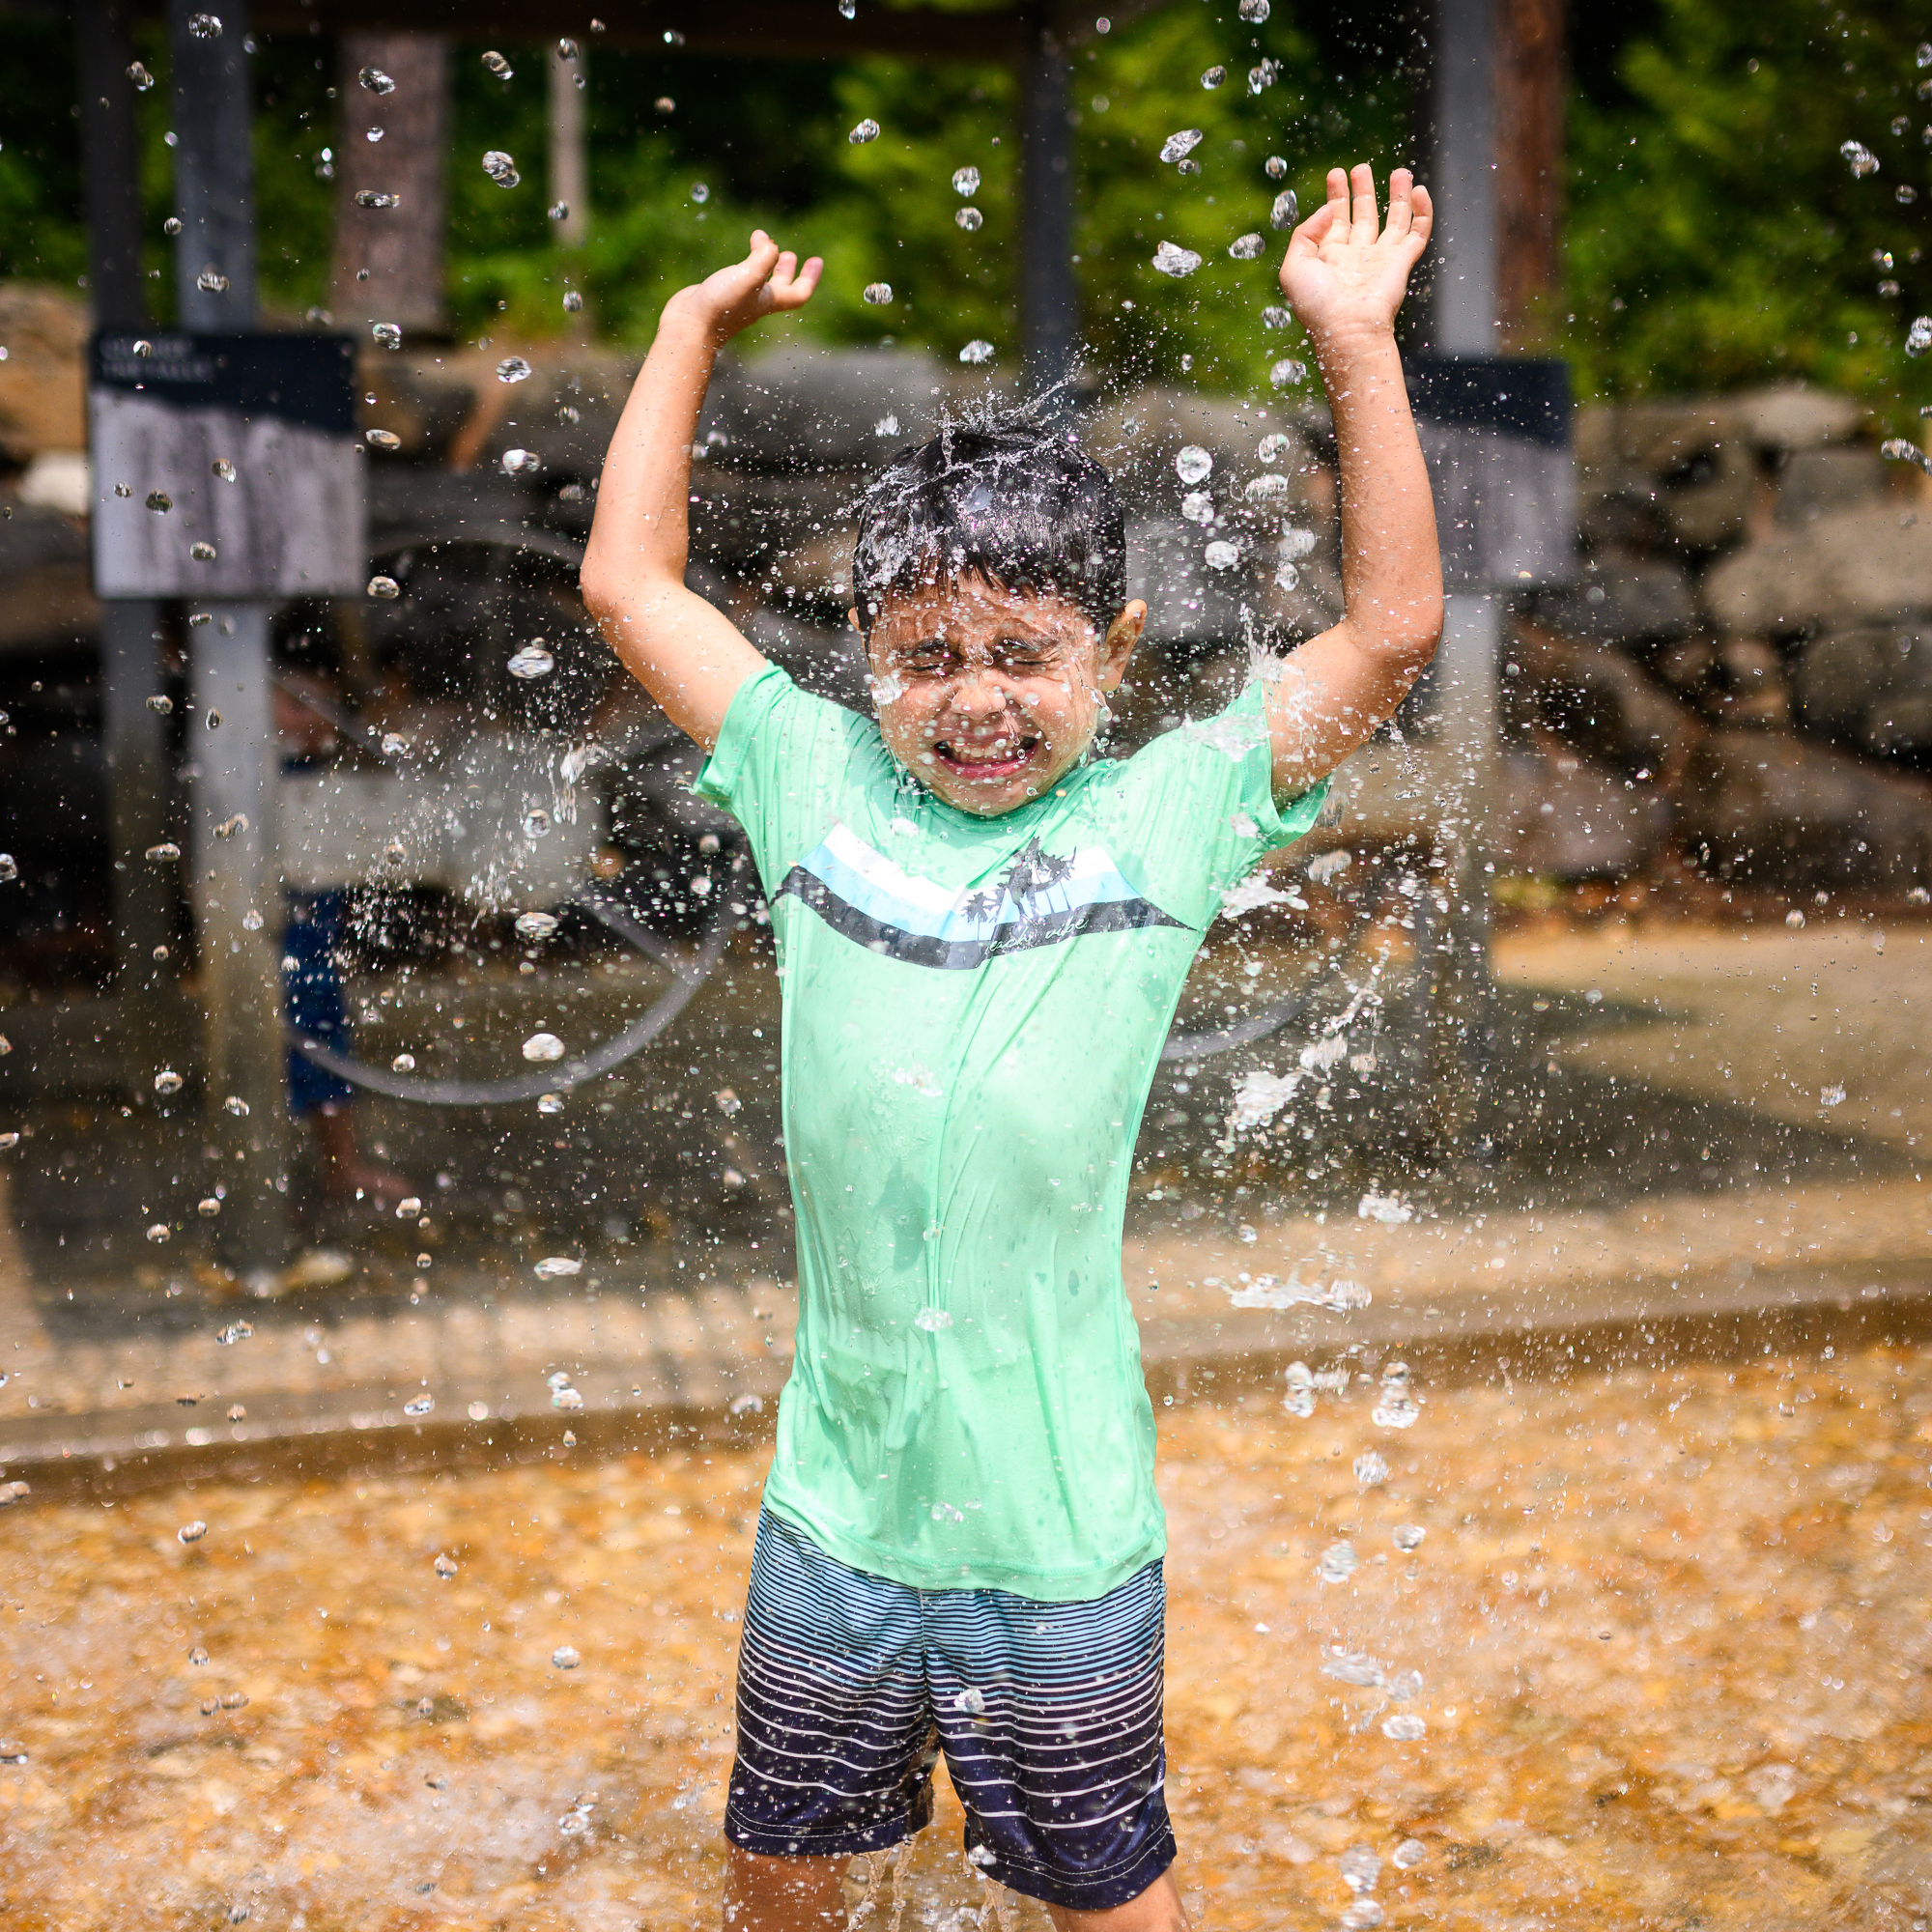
{"x":1530,"y":77}
{"x":390,"y":260}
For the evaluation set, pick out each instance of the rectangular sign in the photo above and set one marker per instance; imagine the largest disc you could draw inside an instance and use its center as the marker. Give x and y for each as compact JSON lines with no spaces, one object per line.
{"x":226,"y":467}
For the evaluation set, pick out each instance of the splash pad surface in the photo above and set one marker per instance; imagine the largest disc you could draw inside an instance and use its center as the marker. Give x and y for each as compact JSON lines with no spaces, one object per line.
{"x":1671,"y":1628}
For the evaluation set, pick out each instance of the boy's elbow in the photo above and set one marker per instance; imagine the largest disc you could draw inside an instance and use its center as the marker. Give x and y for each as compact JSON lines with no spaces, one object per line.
{"x":1411,"y":635}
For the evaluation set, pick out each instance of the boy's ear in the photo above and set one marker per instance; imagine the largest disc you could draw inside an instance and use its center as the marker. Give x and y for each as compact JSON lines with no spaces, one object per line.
{"x":852,"y":617}
{"x":1118,"y":645}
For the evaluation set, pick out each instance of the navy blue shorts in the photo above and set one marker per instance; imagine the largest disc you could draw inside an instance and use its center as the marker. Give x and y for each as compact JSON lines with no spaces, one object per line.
{"x":850,"y":1685}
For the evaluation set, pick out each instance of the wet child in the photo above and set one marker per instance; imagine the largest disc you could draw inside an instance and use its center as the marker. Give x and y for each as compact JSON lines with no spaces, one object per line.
{"x":983,"y":933}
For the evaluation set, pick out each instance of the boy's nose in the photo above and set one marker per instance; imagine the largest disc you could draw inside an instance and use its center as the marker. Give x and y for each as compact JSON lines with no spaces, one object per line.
{"x":978,"y":694}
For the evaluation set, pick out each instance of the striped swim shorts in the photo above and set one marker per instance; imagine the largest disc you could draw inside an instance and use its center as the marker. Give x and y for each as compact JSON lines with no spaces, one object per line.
{"x":850,"y":1685}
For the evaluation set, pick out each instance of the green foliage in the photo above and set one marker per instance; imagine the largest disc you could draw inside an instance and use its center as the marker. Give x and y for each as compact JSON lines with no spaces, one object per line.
{"x":1715,"y":234}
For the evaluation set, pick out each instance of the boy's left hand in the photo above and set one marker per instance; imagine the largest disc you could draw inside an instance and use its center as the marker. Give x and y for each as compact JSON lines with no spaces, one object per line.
{"x":1342,"y":277}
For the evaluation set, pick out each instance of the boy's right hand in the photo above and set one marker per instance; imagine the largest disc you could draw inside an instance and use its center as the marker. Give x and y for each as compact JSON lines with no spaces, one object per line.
{"x":768,"y":279}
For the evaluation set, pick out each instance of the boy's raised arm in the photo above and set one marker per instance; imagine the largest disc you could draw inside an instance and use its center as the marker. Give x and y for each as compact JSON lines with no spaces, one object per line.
{"x":1345,"y":282}
{"x":685,"y":652}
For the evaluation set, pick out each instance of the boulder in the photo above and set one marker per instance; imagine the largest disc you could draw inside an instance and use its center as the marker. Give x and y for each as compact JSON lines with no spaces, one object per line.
{"x":1732,"y":680}
{"x":1597,"y":703}
{"x":1870,"y":687}
{"x":1868,"y":564}
{"x":43,"y":379}
{"x":1563,"y":817}
{"x":1793,"y":415}
{"x":1623,"y":597}
{"x":800,"y":407}
{"x":1138,"y":437}
{"x":1812,"y":483}
{"x":1770,"y":808}
{"x":1693,"y":454}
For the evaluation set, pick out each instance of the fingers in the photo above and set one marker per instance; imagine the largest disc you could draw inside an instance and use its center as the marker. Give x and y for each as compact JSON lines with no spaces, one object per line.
{"x":1337,"y":207}
{"x":1423,"y":219}
{"x":791,"y":286}
{"x":1399,"y":210}
{"x":1363,"y":178}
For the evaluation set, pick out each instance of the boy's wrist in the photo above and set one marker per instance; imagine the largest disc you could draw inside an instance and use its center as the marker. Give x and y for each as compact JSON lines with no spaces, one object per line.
{"x":1345,"y":343}
{"x":688,"y":314}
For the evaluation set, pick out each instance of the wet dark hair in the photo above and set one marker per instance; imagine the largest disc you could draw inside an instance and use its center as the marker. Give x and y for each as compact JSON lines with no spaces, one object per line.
{"x":1016,"y":502}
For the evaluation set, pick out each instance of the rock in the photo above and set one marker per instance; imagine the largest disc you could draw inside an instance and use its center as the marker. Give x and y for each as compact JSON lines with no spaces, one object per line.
{"x":1769,"y":807}
{"x":1813,"y":482}
{"x":1694,"y":453}
{"x":1870,"y":687}
{"x":1623,"y":598}
{"x":1597,"y":703}
{"x":1562,"y":816}
{"x":845,"y":408}
{"x":1793,"y":416}
{"x":43,"y":379}
{"x":1844,"y":567}
{"x":1731,"y":680}
{"x":1138,"y":437}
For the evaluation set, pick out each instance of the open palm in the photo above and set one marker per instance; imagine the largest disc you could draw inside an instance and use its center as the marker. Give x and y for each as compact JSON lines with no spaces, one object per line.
{"x":768,"y":281}
{"x":1339,"y":273}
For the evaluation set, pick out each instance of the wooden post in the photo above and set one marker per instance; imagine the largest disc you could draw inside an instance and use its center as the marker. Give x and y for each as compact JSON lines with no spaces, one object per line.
{"x":1049,"y":296}
{"x":235,"y":880}
{"x":390,"y":260}
{"x":134,"y":736}
{"x":1531,"y":81}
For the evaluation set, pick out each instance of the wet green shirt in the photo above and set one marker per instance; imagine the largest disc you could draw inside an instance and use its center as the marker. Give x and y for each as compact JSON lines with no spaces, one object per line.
{"x":973,"y":1008}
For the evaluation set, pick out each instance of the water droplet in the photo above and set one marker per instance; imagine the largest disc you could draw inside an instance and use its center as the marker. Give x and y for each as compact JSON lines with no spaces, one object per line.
{"x":419,"y":1405}
{"x":932,"y":1320}
{"x":229,"y":828}
{"x":1369,"y":1469}
{"x":1404,"y":1685}
{"x":1405,"y":1727}
{"x":191,"y":1532}
{"x":387,"y":335}
{"x":167,"y":1081}
{"x":1301,"y":1397}
{"x":1213,"y":77}
{"x":879,"y":294}
{"x":373,"y":197}
{"x":536,"y":822}
{"x":251,"y":920}
{"x":978,"y":351}
{"x":565,"y":1657}
{"x":140,"y":77}
{"x":197,"y":1657}
{"x":395,"y":851}
{"x":497,"y":65}
{"x":572,"y":301}
{"x":966,"y":181}
{"x":866,"y":130}
{"x":11,"y":1749}
{"x":1287,"y":372}
{"x":502,"y":168}
{"x":550,"y":1103}
{"x":1286,"y":212}
{"x":204,"y":26}
{"x":1265,"y":490}
{"x":445,"y":1566}
{"x":968,"y":219}
{"x":560,"y":211}
{"x":1919,"y":337}
{"x":375,"y":81}
{"x":513,"y":369}
{"x":1862,"y":161}
{"x":1193,"y":465}
{"x":211,"y":282}
{"x":222,"y":468}
{"x":1198,"y":507}
{"x":700,"y":194}
{"x":381,"y":439}
{"x":522,"y":463}
{"x":1176,"y":262}
{"x":160,"y":502}
{"x":1338,"y":1563}
{"x":403,"y":1063}
{"x":567,"y":49}
{"x":202,"y":553}
{"x":385,"y":588}
{"x":848,"y":9}
{"x":10,"y":1138}
{"x":543,"y":1047}
{"x":1360,"y":1869}
{"x":536,"y":925}
{"x":1409,"y":1854}
{"x":1898,"y":450}
{"x":1295,"y":544}
{"x":1361,"y":1915}
{"x":167,"y":852}
{"x":122,"y":490}
{"x":552,"y":1268}
{"x":1246,"y":248}
{"x":1178,"y":146}
{"x":1221,"y":554}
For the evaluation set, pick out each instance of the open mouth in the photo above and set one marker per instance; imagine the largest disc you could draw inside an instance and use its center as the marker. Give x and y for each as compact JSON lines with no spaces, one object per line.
{"x":987,"y":764}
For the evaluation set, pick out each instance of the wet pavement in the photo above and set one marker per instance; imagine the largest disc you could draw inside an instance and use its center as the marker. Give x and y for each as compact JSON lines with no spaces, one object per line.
{"x":1670,"y":1626}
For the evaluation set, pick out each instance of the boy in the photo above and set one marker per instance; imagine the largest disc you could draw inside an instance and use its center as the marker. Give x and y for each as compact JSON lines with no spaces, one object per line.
{"x":983,"y":934}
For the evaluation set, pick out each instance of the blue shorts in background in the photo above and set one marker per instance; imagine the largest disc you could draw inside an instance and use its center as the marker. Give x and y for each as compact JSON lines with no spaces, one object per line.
{"x":850,"y":1685}
{"x":312,"y":987}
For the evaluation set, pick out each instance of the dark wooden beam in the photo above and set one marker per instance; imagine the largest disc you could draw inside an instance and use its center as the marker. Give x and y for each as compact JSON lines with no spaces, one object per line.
{"x":757,"y":29}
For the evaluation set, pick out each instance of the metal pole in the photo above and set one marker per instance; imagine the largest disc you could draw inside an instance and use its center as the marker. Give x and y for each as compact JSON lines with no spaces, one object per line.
{"x":1049,"y":299}
{"x":236,"y":883}
{"x":1465,"y":315}
{"x":134,"y":734}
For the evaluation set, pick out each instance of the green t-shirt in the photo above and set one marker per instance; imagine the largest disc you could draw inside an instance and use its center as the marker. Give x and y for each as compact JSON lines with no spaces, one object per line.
{"x":973,"y":1008}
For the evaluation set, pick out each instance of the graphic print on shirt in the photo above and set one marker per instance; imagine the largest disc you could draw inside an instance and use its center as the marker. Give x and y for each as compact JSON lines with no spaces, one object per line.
{"x":1041,"y":899}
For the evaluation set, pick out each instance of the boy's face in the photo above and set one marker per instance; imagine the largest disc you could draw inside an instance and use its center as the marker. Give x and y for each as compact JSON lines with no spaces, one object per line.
{"x":989,"y":695}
